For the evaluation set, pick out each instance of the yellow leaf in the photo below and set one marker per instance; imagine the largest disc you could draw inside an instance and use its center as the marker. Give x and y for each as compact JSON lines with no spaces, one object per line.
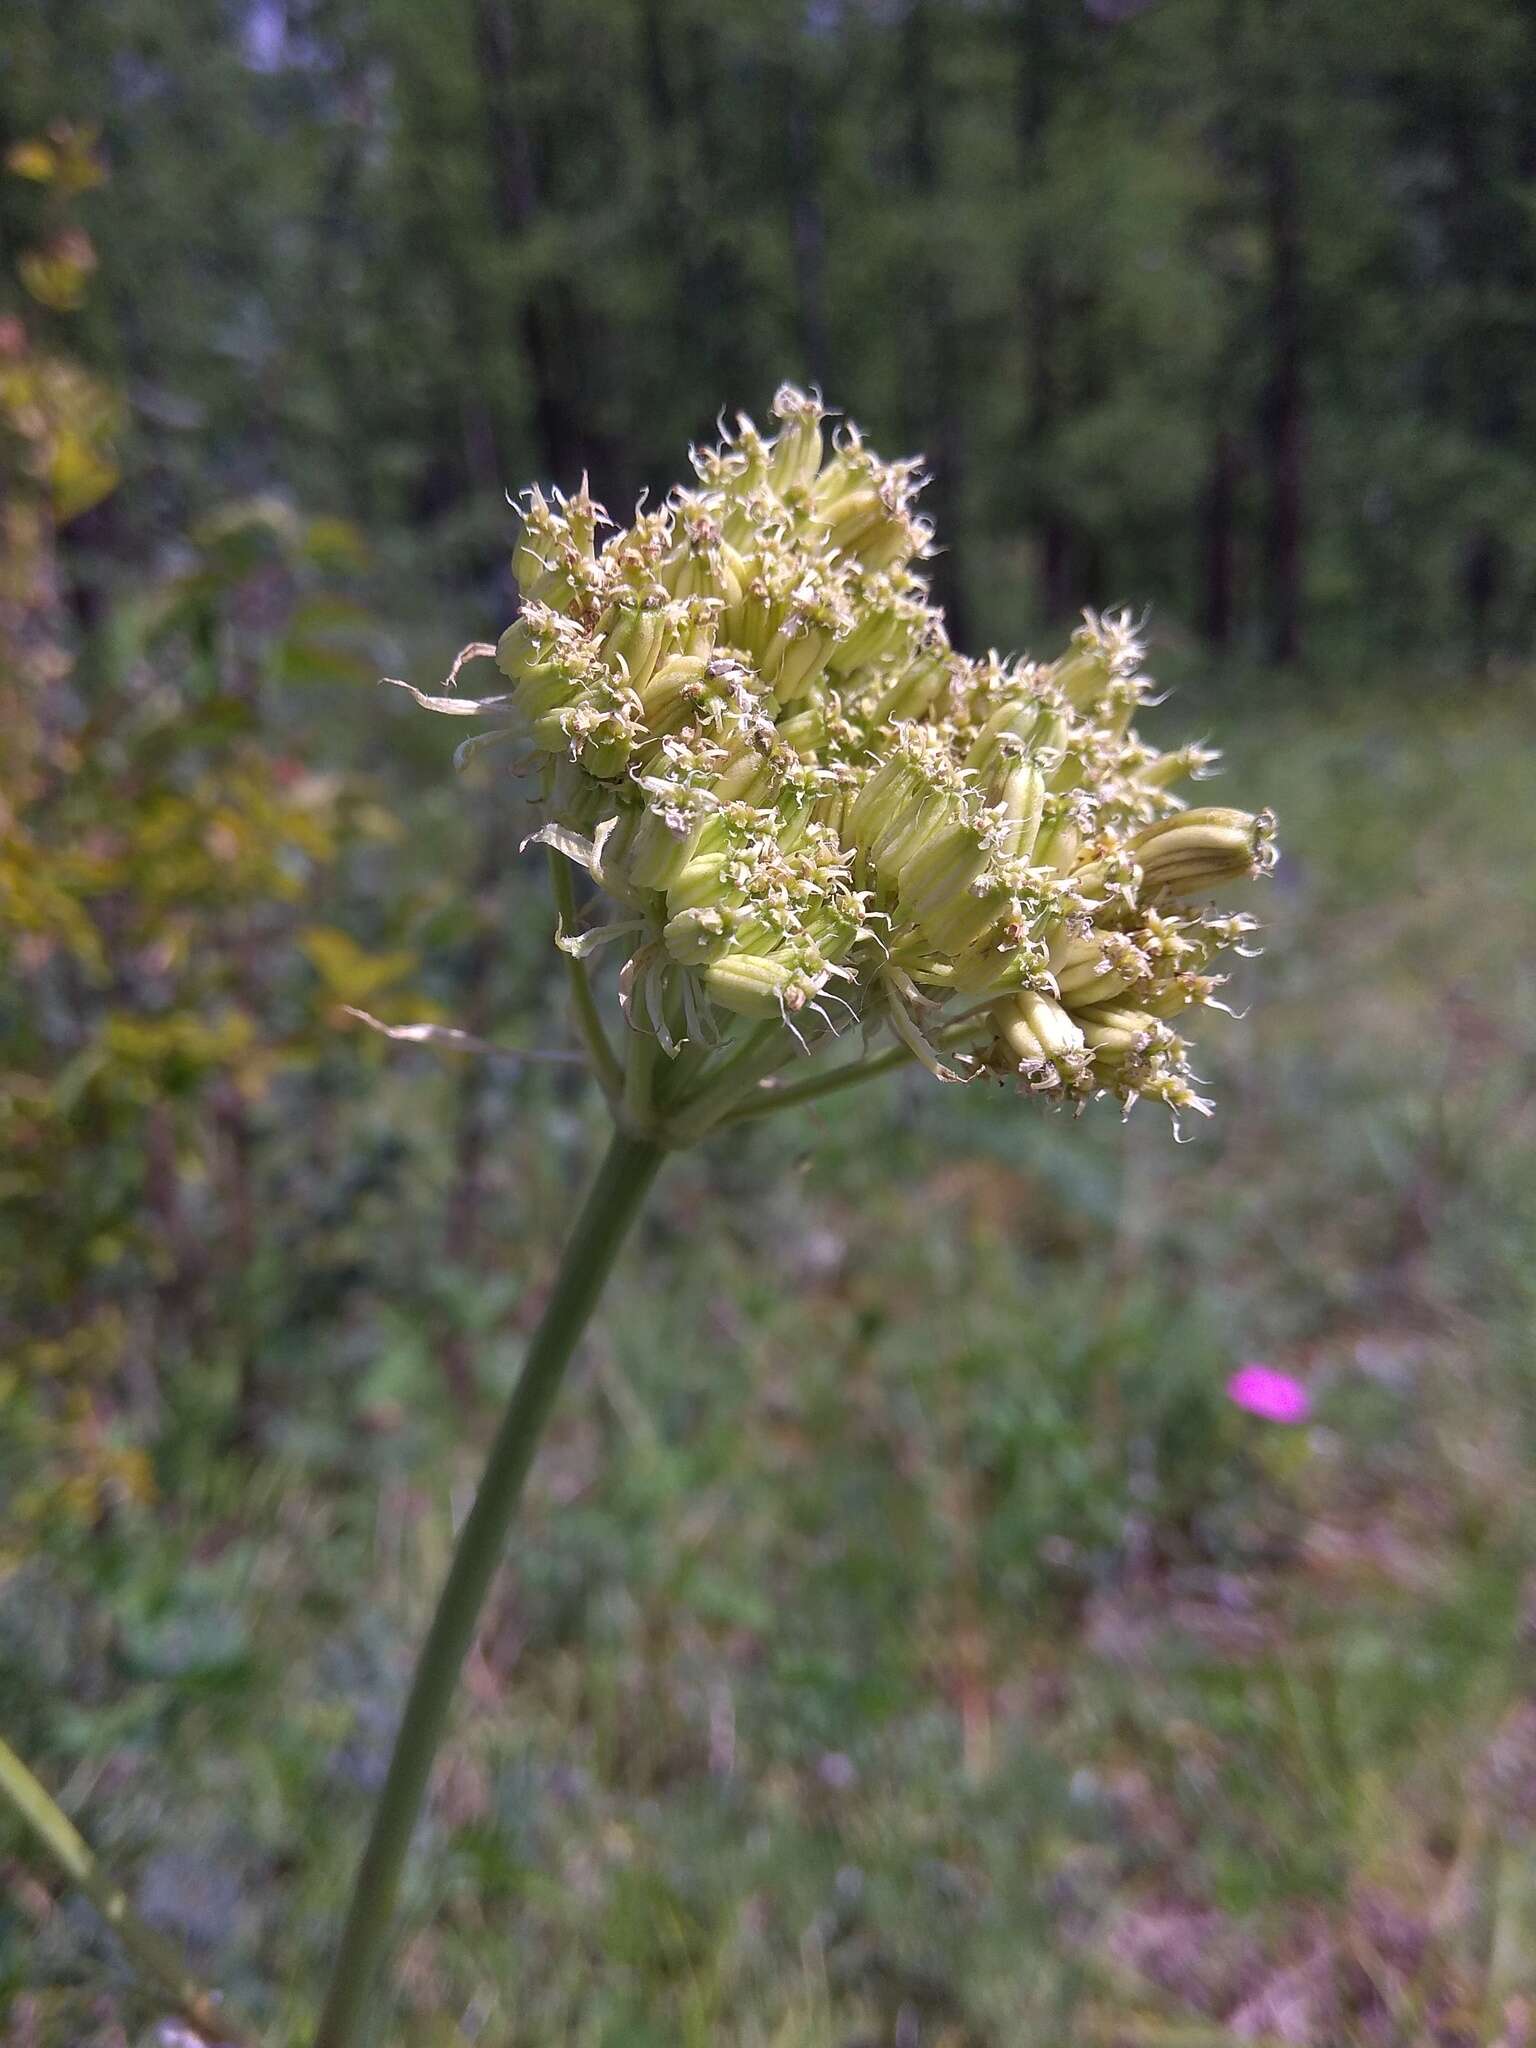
{"x":349,"y":971}
{"x":33,"y":159}
{"x":79,"y":476}
{"x":335,"y":544}
{"x":57,"y":275}
{"x":66,"y":158}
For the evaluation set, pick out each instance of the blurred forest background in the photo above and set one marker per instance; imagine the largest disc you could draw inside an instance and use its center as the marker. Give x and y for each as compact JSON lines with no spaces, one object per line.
{"x":909,"y":1643}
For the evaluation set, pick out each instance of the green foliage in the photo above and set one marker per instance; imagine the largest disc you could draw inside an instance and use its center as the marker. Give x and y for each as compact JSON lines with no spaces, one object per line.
{"x":1225,"y":305}
{"x":159,"y":852}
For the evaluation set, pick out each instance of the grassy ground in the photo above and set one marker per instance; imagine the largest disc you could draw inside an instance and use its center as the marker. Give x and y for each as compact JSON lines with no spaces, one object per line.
{"x":907,"y":1642}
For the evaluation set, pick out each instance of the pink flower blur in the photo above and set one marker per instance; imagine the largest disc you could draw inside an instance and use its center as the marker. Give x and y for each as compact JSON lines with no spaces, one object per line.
{"x":1273,"y":1396}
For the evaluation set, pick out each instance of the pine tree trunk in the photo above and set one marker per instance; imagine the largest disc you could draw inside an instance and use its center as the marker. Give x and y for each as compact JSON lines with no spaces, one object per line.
{"x":1219,"y":542}
{"x":940,"y":371}
{"x":1042,"y":312}
{"x":807,"y":222}
{"x":1284,"y":409}
{"x":555,"y":335}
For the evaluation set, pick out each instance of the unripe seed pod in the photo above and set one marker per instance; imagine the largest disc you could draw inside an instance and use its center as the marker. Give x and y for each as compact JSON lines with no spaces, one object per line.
{"x":1195,"y":850}
{"x":543,"y":686}
{"x":890,"y":543}
{"x":583,"y":515}
{"x":754,"y":622}
{"x":1071,"y":953}
{"x":603,"y":759}
{"x":726,"y":575}
{"x":1183,"y":764}
{"x":873,"y":640}
{"x":670,"y":685}
{"x":797,"y":451}
{"x":548,"y":732}
{"x":1219,"y":816}
{"x":1085,"y":675}
{"x":1224,"y":858}
{"x":1033,"y":1028}
{"x":888,"y":790}
{"x":857,"y":513}
{"x":1004,"y":737}
{"x":746,"y":778}
{"x":831,"y":811}
{"x":1136,"y":1022}
{"x":913,"y":692}
{"x":519,"y":649}
{"x":1183,"y":992}
{"x":1115,"y":1035}
{"x":903,"y":833}
{"x":1059,"y":845}
{"x":752,"y":985}
{"x":696,"y":936}
{"x":681,"y":571}
{"x":795,"y":661}
{"x":958,"y":923}
{"x":658,"y":854}
{"x":535,"y":558}
{"x":1082,"y":990}
{"x":699,"y":884}
{"x":807,"y":729}
{"x":946,"y":866}
{"x":633,"y":641}
{"x":1020,"y":794}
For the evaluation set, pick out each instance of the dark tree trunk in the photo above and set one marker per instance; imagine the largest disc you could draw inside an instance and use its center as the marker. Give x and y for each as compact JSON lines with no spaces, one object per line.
{"x":1284,"y":409}
{"x":554,"y":333}
{"x":1219,"y":542}
{"x":807,"y":223}
{"x":1037,"y":54}
{"x":1480,"y":582}
{"x":938,"y":392}
{"x":710,"y":100}
{"x":695,"y":275}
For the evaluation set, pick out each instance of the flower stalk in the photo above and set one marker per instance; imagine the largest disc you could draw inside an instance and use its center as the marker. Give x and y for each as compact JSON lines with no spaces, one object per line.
{"x":627,"y":1171}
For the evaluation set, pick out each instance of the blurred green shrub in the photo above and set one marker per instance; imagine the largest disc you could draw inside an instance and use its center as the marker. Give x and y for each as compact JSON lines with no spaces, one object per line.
{"x":161,"y":954}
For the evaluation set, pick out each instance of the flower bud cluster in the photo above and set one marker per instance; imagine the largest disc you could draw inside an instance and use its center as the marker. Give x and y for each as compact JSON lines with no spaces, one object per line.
{"x":751,"y":729}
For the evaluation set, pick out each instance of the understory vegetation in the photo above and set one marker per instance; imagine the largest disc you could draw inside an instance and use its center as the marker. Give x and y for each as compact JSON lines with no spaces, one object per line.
{"x":907,"y":1640}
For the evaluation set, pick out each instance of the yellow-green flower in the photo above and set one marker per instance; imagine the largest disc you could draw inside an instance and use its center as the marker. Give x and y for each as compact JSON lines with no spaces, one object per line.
{"x":750,"y":728}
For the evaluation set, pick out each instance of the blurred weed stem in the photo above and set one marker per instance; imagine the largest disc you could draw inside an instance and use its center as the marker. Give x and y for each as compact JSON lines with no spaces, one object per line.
{"x":151,"y":1952}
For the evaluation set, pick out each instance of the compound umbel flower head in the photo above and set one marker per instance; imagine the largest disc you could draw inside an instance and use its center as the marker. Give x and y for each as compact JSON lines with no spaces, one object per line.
{"x":749,"y":727}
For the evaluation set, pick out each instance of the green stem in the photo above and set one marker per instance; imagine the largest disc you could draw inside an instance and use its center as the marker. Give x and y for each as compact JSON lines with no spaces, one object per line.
{"x":764,"y":1100}
{"x":153,"y":1954}
{"x":792,"y":1094}
{"x":605,"y":1062}
{"x":610,"y":1209}
{"x":764,"y":1048}
{"x":638,"y":1107}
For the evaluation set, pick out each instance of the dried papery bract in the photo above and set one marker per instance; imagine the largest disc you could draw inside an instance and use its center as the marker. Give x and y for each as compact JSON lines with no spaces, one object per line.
{"x":807,"y":808}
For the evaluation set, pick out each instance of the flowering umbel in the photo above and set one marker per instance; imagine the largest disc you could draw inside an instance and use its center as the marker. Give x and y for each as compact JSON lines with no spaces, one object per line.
{"x":751,"y":730}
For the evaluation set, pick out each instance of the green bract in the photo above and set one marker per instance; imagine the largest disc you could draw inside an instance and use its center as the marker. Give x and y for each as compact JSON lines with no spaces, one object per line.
{"x":751,"y":730}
